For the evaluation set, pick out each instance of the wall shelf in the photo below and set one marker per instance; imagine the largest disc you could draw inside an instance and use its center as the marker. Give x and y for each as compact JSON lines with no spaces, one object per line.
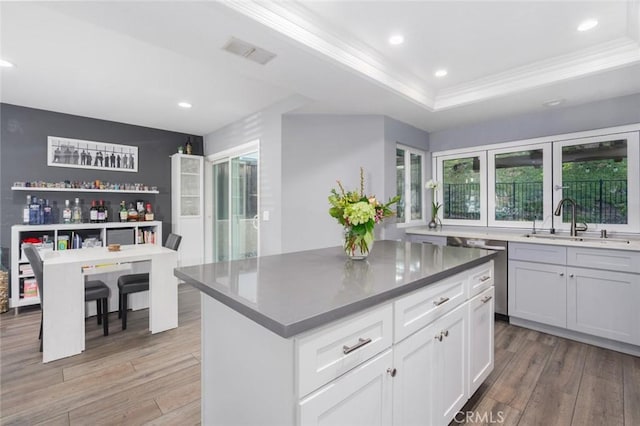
{"x":43,"y":189}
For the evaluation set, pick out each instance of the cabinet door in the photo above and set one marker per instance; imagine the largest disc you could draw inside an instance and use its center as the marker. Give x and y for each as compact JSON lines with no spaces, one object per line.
{"x":604,"y":304}
{"x":450,"y":364}
{"x":538,"y":292}
{"x":414,"y":380}
{"x":481,"y":320}
{"x":360,"y":397}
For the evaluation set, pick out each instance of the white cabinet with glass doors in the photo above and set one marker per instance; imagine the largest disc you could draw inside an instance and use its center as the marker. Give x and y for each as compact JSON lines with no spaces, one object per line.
{"x":187,"y":207}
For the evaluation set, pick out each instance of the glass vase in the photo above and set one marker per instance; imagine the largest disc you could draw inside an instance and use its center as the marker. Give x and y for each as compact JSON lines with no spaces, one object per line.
{"x":356,"y":250}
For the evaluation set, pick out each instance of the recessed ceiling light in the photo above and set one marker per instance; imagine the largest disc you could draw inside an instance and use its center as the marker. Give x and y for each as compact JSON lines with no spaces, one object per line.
{"x":587,"y":25}
{"x":553,"y":102}
{"x":185,"y":105}
{"x":440,"y":73}
{"x":5,"y":64}
{"x":396,"y":39}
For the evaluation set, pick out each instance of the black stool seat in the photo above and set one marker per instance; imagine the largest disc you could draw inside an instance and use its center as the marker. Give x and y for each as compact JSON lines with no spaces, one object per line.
{"x":133,"y":283}
{"x":99,"y":291}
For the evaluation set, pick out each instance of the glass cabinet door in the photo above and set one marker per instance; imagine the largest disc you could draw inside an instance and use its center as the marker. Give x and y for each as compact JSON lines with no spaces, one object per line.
{"x":190,"y":186}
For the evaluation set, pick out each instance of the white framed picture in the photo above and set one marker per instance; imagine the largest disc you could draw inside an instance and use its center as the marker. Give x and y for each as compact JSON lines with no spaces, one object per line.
{"x":76,"y":153}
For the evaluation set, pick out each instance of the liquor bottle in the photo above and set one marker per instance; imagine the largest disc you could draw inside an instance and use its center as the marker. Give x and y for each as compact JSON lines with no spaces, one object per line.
{"x":124,"y":214}
{"x":106,"y":211}
{"x":93,"y":212}
{"x":189,"y":146}
{"x":34,"y":211}
{"x":140,"y":208}
{"x":76,"y":213}
{"x":25,"y":211}
{"x":66,"y":213}
{"x":101,"y":212}
{"x":47,"y":213}
{"x":132,"y":215}
{"x":148,"y":215}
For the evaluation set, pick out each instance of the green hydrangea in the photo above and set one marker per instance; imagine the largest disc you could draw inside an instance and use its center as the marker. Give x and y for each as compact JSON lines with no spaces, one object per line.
{"x":360,"y":212}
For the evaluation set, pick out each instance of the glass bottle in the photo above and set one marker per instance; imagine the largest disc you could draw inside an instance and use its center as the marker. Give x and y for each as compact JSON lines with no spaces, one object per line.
{"x":34,"y":211}
{"x":124,"y":214}
{"x":25,"y":211}
{"x":47,"y":213}
{"x":66,"y":213}
{"x":93,"y":212}
{"x":106,"y":211}
{"x":76,"y":213}
{"x":148,"y":215}
{"x":189,"y":146}
{"x":101,"y":212}
{"x":133,"y":213}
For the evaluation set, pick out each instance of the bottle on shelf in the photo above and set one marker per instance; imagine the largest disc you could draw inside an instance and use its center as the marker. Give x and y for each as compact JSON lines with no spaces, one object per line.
{"x":47,"y":213}
{"x":106,"y":211}
{"x":148,"y":215}
{"x":76,"y":213}
{"x":132,"y":215}
{"x":34,"y":211}
{"x":189,"y":146}
{"x":26,"y":211}
{"x":124,"y":213}
{"x":66,"y":213}
{"x":93,"y":212}
{"x":140,"y":208}
{"x":101,"y":212}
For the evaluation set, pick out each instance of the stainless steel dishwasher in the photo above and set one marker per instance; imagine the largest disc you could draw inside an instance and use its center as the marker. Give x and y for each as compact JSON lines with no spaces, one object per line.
{"x":500,"y":268}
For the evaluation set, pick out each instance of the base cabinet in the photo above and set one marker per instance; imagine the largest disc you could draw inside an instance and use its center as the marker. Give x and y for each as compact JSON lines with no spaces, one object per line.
{"x":538,"y":292}
{"x":481,"y":331}
{"x":361,"y":397}
{"x":604,"y":303}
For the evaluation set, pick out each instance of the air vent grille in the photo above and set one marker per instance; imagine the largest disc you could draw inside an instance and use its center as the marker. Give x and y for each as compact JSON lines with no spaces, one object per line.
{"x":248,"y":50}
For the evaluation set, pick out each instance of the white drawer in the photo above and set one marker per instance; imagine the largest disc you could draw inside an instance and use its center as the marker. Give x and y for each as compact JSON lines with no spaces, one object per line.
{"x":332,"y":351}
{"x":480,"y":279}
{"x":538,"y":253}
{"x":418,"y":309}
{"x":614,"y":260}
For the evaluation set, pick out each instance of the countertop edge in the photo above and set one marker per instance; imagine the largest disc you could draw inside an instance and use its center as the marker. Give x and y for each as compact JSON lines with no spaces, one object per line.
{"x":294,"y":329}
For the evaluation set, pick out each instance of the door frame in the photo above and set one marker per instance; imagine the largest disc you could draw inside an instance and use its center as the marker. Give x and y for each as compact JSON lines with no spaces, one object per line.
{"x":210,"y":161}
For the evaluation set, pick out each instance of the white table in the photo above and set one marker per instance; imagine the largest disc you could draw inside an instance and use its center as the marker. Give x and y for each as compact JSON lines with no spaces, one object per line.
{"x":64,"y":306}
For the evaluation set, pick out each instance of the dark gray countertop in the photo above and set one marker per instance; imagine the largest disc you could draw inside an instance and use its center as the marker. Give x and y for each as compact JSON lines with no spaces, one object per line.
{"x":295,"y":292}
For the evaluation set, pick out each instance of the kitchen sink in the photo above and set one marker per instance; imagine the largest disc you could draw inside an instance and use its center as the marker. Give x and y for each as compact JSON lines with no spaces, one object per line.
{"x":578,"y":238}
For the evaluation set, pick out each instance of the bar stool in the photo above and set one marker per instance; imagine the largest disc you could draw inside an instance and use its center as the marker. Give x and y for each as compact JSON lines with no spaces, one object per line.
{"x":99,"y":291}
{"x":134,"y":283}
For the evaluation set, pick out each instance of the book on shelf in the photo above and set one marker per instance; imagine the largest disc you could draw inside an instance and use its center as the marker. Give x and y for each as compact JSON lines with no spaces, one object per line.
{"x":30,"y":288}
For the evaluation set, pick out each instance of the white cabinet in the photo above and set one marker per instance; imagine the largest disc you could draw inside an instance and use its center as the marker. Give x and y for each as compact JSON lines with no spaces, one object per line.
{"x":481,"y":325}
{"x":538,"y":292}
{"x":450,"y":364}
{"x":361,"y":397}
{"x":604,"y":303}
{"x":187,"y":207}
{"x":593,"y":292}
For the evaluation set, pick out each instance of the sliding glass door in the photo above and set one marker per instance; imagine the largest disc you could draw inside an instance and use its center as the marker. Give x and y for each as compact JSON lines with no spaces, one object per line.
{"x":235,"y":206}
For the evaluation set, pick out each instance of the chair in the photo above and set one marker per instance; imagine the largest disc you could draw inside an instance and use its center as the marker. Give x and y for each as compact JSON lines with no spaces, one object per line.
{"x":93,"y":290}
{"x":134,"y":283}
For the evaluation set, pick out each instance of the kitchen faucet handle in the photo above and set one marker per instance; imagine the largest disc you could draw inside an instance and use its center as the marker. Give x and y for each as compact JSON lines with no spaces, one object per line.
{"x":582,"y":227}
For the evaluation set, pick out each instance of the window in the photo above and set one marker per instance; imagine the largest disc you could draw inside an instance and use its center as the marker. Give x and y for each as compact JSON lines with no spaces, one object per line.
{"x":519,"y":185}
{"x":410,"y":185}
{"x":600,"y":174}
{"x":526,"y":180}
{"x":463,"y":196}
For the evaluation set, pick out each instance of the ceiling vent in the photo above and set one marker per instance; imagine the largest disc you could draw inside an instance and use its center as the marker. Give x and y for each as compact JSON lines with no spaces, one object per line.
{"x":249,"y":51}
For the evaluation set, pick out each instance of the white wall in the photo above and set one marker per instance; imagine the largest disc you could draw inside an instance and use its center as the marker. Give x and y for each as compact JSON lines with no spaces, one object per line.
{"x":320,"y":149}
{"x":266,"y":126}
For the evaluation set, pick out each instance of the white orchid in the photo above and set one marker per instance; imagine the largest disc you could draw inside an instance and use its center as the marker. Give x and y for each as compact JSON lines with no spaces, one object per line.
{"x":432,"y":184}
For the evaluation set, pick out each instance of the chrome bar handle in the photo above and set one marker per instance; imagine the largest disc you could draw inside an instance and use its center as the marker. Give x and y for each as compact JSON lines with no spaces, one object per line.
{"x":441,"y":301}
{"x":361,"y":342}
{"x":485,"y":278}
{"x":486,"y":299}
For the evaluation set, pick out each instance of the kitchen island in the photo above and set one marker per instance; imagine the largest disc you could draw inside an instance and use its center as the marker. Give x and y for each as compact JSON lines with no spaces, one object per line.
{"x":308,"y":337}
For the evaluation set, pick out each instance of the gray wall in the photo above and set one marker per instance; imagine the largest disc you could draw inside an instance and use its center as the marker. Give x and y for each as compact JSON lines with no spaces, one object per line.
{"x":266,"y":126}
{"x":553,"y":121}
{"x":317,"y":150}
{"x":23,"y":157}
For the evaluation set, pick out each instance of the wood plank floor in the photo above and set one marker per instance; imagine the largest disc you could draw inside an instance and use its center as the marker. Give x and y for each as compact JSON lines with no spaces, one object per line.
{"x":132,"y":377}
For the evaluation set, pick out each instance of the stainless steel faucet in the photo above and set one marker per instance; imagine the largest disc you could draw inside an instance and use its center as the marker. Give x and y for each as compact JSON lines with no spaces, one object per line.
{"x":574,"y":228}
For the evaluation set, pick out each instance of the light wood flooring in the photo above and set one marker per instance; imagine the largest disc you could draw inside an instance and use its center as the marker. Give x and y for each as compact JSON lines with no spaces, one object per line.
{"x":132,"y":377}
